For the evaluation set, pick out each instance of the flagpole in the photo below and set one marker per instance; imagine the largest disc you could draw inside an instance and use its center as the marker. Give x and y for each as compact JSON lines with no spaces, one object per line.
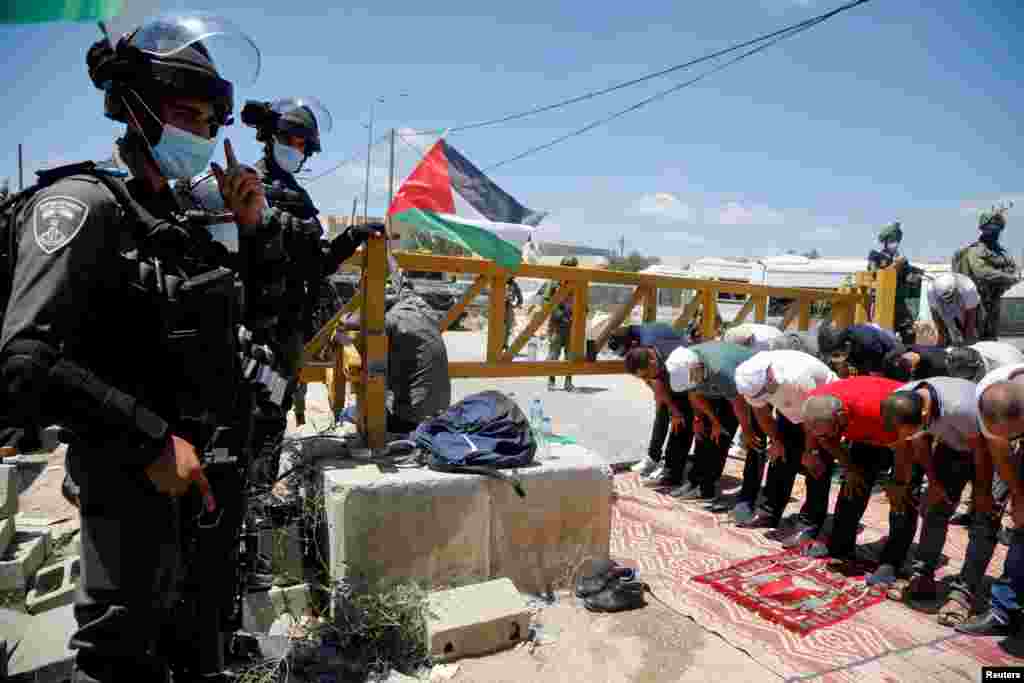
{"x":391,"y":182}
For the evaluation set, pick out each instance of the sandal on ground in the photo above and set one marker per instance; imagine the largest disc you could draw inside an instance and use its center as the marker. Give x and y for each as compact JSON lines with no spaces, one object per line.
{"x":898,"y":591}
{"x":956,"y":610}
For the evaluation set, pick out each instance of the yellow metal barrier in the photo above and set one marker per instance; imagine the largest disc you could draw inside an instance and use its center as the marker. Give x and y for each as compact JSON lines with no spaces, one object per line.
{"x":848,"y":305}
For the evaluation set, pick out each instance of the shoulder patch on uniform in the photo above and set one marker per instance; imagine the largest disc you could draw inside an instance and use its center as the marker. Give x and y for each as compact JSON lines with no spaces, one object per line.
{"x":57,"y":220}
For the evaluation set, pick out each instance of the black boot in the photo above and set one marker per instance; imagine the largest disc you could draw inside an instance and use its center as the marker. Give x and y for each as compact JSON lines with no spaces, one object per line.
{"x":602,"y":573}
{"x":988,"y":624}
{"x":618,"y":596}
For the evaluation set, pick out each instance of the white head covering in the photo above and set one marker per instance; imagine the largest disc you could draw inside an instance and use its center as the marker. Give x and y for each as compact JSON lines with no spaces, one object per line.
{"x":678,"y":364}
{"x":752,"y":376}
{"x":945,"y":287}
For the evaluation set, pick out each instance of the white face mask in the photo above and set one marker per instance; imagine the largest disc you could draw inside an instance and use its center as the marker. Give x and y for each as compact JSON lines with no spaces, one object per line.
{"x":181,"y":154}
{"x":287,"y":158}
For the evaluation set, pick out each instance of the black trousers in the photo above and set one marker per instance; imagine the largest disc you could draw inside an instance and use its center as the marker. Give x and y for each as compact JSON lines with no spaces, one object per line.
{"x":754,"y":466}
{"x":132,"y":622}
{"x":677,"y":448}
{"x":782,"y":478}
{"x":873,"y":460}
{"x":710,"y":456}
{"x":131,"y":558}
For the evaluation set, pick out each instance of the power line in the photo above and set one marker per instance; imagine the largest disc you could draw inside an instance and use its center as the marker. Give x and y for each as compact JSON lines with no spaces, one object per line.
{"x":657,"y":74}
{"x":664,"y":93}
{"x":357,"y":157}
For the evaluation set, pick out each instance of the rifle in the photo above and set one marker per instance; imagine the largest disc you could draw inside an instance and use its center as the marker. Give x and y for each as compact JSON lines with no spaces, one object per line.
{"x":221,"y":546}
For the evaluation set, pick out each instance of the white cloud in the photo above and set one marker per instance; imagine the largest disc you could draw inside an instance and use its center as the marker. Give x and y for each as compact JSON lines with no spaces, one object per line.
{"x":735,"y":213}
{"x":663,"y":206}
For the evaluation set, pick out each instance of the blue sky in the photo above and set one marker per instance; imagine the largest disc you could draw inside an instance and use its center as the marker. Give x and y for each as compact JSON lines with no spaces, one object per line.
{"x":897,"y":110}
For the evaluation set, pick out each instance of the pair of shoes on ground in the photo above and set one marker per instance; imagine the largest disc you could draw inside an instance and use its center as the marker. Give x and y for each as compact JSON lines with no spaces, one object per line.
{"x":568,"y":387}
{"x":610,"y":587}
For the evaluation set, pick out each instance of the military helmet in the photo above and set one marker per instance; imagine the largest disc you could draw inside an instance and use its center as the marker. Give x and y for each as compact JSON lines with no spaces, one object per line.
{"x":171,"y":55}
{"x":891,"y":233}
{"x":303,"y":117}
{"x":994,"y":220}
{"x":570,"y":261}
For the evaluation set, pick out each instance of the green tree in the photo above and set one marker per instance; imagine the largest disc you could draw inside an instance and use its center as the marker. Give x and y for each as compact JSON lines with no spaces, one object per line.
{"x":633,"y":263}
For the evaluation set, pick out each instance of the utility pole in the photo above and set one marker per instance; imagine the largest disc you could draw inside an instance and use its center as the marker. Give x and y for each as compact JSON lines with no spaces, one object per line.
{"x":21,"y":178}
{"x":369,"y":149}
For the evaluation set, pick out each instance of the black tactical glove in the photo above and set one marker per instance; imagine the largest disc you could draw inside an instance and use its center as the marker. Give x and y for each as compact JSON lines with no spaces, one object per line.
{"x":362,"y":232}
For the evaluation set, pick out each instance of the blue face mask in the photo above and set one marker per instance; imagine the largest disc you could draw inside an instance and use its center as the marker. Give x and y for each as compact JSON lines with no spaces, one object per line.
{"x":287,"y":158}
{"x":180,"y":154}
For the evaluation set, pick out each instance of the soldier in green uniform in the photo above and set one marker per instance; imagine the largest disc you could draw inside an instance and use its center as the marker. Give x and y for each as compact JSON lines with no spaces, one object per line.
{"x":908,"y":283}
{"x":991,"y":269}
{"x":560,"y":325}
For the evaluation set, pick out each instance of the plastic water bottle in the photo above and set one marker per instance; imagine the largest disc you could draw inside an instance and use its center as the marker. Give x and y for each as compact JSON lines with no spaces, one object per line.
{"x":536,"y":414}
{"x":546,"y":422}
{"x":533,"y":349}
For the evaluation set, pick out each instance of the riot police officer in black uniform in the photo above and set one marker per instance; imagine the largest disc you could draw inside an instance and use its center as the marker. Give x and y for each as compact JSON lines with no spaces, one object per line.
{"x":297,"y":260}
{"x":119,"y":328}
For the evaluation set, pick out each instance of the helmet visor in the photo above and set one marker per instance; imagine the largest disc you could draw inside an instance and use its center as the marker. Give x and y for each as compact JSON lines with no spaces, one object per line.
{"x":305,"y":116}
{"x":233,"y":53}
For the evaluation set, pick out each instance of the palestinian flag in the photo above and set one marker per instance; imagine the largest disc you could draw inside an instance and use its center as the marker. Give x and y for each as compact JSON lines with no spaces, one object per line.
{"x":38,"y":11}
{"x":426,"y":202}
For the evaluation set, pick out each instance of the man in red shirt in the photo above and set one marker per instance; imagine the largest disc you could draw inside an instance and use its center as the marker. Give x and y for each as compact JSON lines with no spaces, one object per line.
{"x":843,"y":422}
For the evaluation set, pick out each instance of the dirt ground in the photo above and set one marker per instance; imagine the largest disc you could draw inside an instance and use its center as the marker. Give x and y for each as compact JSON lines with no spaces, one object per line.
{"x":40,"y":495}
{"x":647,"y":645}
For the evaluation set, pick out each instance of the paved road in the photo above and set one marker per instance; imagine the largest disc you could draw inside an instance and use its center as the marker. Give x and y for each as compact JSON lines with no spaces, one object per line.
{"x":610,"y":414}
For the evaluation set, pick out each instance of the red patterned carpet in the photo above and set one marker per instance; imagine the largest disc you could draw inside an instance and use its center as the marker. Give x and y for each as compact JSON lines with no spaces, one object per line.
{"x":671,"y":542}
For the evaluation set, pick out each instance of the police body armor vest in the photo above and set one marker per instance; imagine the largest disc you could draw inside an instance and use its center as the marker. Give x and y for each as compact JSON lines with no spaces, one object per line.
{"x":199,"y":302}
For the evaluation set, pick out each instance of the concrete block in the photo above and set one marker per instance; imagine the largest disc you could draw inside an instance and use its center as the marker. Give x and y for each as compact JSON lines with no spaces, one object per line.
{"x":444,"y":529}
{"x":43,"y":654}
{"x":564,"y":519}
{"x":412,"y":524}
{"x":260,"y":610}
{"x":476,"y":620}
{"x":26,"y":554}
{"x":6,"y":534}
{"x":54,"y":586}
{"x":8,"y":491}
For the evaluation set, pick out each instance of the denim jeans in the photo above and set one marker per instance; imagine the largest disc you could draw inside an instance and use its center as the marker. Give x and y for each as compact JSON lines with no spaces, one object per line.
{"x":955,"y":470}
{"x":1005,"y":591}
{"x":1010,"y":585}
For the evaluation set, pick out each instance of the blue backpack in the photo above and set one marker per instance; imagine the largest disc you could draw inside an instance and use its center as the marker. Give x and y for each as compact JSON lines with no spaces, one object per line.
{"x":481,"y":434}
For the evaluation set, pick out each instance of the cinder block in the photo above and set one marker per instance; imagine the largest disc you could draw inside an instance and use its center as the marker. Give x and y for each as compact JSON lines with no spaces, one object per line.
{"x":54,"y":586}
{"x":26,"y":554}
{"x":476,"y":620}
{"x":260,"y":610}
{"x":410,"y":525}
{"x":8,"y":491}
{"x":43,"y":653}
{"x":6,"y":534}
{"x":564,"y":519}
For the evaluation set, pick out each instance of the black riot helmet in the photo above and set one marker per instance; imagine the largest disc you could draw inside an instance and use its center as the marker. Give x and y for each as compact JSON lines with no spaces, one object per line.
{"x":171,"y":55}
{"x":304,"y":117}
